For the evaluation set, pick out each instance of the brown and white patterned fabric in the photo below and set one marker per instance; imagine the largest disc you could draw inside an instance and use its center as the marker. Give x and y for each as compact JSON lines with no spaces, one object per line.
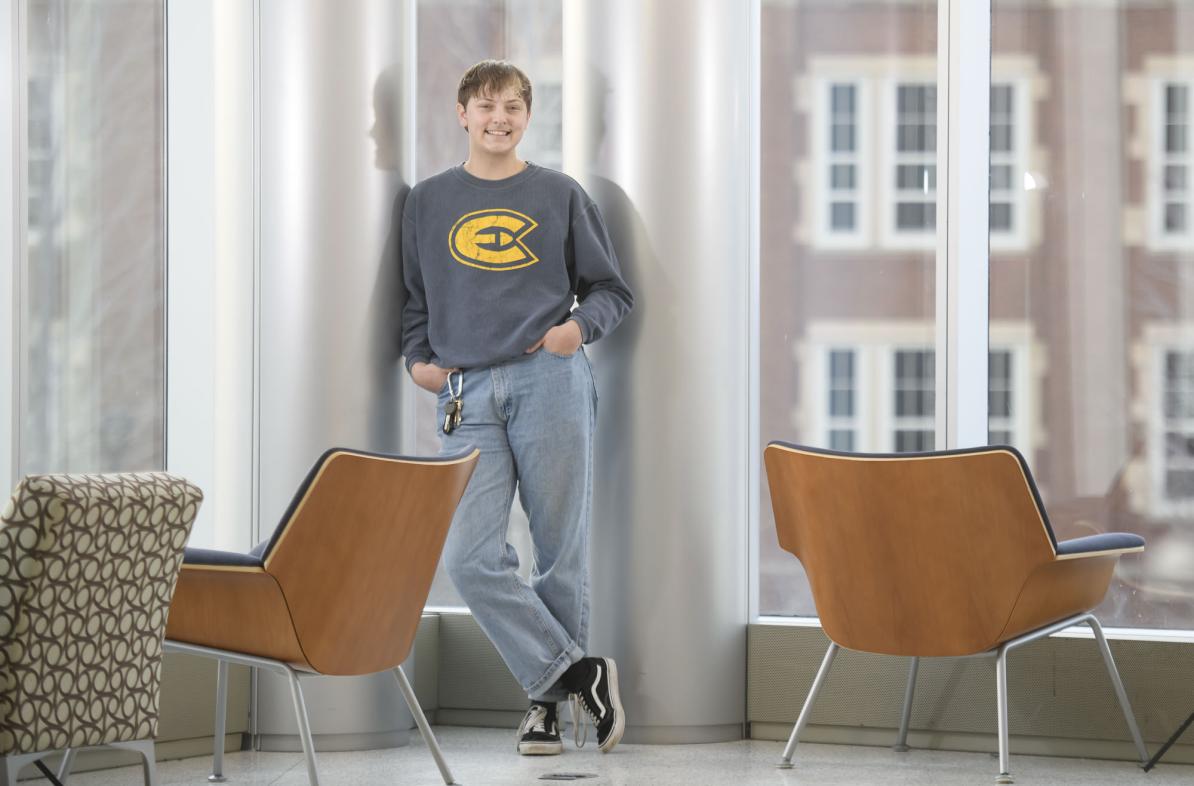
{"x":88,"y":565}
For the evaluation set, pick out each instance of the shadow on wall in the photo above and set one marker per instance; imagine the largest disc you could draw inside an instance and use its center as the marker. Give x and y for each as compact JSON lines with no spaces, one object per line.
{"x":385,"y":304}
{"x":627,"y":445}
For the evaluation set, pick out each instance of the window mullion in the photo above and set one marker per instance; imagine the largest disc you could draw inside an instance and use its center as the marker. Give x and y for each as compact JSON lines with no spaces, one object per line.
{"x":963,"y":240}
{"x":12,"y":180}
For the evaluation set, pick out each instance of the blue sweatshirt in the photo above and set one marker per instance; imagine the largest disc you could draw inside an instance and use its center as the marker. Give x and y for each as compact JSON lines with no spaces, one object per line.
{"x":491,"y":265}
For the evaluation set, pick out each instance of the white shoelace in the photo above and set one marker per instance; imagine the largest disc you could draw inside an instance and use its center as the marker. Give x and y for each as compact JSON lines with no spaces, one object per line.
{"x":580,"y":717}
{"x":535,"y":720}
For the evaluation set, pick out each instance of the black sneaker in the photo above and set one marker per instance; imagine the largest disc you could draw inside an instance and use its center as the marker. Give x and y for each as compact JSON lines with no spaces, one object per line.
{"x":594,"y":685}
{"x":539,"y":732}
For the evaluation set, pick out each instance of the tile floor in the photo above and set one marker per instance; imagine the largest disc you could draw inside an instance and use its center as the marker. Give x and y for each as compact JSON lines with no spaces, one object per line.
{"x":486,"y":757}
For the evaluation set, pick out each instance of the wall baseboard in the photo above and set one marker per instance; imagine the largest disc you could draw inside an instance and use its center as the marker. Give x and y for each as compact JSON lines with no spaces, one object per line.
{"x":1117,"y":750}
{"x":165,"y":750}
{"x":1060,"y":698}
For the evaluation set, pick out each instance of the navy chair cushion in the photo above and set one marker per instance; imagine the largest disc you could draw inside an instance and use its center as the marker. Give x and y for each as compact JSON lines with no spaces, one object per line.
{"x":1108,"y":541}
{"x":222,"y":558}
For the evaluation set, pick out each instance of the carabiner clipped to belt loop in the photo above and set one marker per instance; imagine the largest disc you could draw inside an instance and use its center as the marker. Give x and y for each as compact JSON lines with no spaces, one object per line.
{"x":454,"y":409}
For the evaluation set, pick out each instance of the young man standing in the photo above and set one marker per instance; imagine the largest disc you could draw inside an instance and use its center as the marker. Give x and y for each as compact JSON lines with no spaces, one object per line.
{"x":509,"y":270}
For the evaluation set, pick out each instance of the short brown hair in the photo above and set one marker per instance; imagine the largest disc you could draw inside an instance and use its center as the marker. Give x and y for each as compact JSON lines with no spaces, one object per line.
{"x":493,"y":76}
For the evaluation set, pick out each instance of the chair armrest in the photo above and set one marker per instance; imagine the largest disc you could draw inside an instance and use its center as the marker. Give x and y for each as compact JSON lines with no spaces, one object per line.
{"x":1059,"y":589}
{"x":1107,"y":544}
{"x":240,"y":609}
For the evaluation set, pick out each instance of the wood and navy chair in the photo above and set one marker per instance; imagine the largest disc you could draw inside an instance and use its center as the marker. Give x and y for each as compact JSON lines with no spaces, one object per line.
{"x":944,"y":554}
{"x":337,"y":589}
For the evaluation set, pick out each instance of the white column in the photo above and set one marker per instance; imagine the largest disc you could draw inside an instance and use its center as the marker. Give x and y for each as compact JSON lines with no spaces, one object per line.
{"x":330,"y":71}
{"x":279,"y":206}
{"x":658,"y":107}
{"x":211,"y":263}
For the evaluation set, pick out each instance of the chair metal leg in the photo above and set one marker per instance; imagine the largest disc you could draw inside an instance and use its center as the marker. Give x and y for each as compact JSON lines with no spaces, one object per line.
{"x":10,"y":768}
{"x":300,"y":714}
{"x":1120,"y":693}
{"x":806,"y":710}
{"x":416,"y":709}
{"x":217,"y":753}
{"x":148,"y":762}
{"x":901,"y":743}
{"x":1001,"y":714}
{"x":64,"y":767}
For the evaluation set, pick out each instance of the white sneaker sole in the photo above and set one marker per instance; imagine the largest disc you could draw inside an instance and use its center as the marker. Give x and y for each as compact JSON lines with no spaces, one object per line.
{"x":540,"y":748}
{"x":615,"y":735}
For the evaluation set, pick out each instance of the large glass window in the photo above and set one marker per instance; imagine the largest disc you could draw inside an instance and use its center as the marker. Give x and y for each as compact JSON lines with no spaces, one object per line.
{"x":848,"y":232}
{"x":92,"y":272}
{"x":1102,"y":283}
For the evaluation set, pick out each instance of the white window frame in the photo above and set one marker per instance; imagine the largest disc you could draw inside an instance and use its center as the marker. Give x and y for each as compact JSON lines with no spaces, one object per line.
{"x":824,"y":158}
{"x":1159,"y":238}
{"x":13,"y":129}
{"x":891,"y":236}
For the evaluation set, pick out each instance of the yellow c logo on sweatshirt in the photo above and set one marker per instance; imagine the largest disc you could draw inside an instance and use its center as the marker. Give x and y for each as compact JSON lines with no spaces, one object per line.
{"x":492,"y":240}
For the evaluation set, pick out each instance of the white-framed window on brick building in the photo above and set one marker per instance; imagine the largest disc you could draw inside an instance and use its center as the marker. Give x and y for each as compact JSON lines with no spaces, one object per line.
{"x":913,"y":208}
{"x":1172,"y":204}
{"x":842,"y":403}
{"x":1001,"y":403}
{"x":871,"y":386}
{"x":873,"y":153}
{"x":1175,"y":476}
{"x":1009,"y":147}
{"x":913,"y":400}
{"x":840,"y":139}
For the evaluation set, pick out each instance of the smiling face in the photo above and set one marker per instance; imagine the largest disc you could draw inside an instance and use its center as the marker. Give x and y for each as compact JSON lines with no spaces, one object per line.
{"x":495,"y":122}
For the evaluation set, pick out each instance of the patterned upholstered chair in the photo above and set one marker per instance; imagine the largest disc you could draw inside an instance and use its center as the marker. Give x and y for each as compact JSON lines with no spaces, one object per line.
{"x":337,"y":589}
{"x":88,"y":564}
{"x":946,"y":554}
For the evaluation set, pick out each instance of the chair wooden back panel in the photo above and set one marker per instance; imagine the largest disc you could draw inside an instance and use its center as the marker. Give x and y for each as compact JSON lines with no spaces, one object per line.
{"x":918,"y":555}
{"x":357,"y":558}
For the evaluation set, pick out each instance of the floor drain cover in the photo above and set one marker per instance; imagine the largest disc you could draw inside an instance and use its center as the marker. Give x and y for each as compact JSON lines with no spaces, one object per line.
{"x":567,"y":776}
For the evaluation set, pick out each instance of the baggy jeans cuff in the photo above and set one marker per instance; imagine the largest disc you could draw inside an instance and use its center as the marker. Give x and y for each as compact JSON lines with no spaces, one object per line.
{"x":544,"y":688}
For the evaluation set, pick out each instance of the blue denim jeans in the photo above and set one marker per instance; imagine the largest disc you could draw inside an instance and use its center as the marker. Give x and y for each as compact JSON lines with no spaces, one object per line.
{"x":532,"y":419}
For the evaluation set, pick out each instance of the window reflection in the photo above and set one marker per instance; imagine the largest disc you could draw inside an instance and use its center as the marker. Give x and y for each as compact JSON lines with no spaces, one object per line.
{"x":1104,"y":281}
